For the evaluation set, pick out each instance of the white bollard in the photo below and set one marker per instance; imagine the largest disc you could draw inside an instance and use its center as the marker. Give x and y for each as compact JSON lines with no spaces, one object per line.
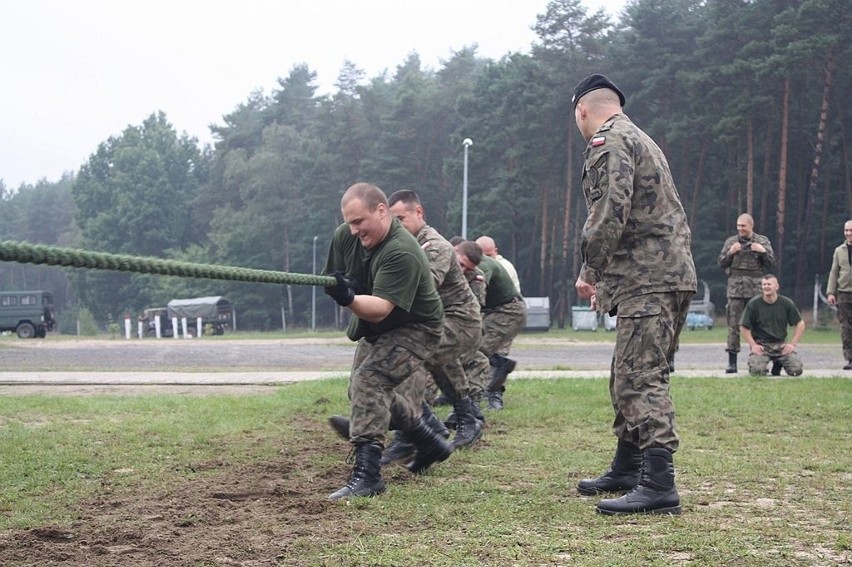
{"x":157,"y":327}
{"x":175,"y":333}
{"x":198,"y":326}
{"x":139,"y":330}
{"x":183,"y":325}
{"x":127,"y":328}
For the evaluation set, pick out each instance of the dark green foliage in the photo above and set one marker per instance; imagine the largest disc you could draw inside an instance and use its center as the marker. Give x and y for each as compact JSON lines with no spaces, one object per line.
{"x":705,"y":79}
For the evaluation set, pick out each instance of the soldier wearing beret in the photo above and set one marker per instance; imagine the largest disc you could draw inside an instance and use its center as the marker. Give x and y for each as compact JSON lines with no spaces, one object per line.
{"x":637,"y":264}
{"x":744,"y":257}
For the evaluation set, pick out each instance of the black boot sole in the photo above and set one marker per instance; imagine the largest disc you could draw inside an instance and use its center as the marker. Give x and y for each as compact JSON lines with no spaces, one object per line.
{"x":670,"y":511}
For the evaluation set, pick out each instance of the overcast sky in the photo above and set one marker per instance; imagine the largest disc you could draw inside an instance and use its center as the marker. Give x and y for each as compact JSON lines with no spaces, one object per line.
{"x":79,"y":71}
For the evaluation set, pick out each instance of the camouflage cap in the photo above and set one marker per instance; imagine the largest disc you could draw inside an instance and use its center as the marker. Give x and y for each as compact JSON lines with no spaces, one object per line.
{"x":594,"y":82}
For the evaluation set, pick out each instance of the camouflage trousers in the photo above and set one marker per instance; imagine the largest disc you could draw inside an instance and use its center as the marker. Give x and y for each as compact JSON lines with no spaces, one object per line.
{"x":381,"y":365}
{"x":647,"y":332}
{"x":844,"y":316}
{"x":461,"y":334}
{"x":734,"y":310}
{"x":757,"y":363}
{"x":478,"y":370}
{"x":500,"y":326}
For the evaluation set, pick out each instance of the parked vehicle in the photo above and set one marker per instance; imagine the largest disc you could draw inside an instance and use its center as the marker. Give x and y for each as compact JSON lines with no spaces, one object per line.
{"x":149,"y":322}
{"x":701,"y":311}
{"x":30,"y":314}
{"x":216,"y":314}
{"x":215,"y":311}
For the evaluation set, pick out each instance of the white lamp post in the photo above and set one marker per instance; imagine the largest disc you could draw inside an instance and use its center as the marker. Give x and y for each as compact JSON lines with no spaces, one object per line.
{"x":314,"y":291}
{"x":467,"y":143}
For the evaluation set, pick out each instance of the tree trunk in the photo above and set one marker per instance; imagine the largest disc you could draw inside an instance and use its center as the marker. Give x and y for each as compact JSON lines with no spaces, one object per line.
{"x":750,"y":166}
{"x":542,"y":256}
{"x":782,"y":176}
{"x":564,"y":278}
{"x":803,"y":256}
{"x":696,"y":192}
{"x":766,"y":186}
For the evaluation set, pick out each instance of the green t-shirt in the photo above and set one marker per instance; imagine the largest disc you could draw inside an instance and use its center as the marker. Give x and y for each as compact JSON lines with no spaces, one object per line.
{"x":500,"y":289}
{"x":768,"y":322}
{"x":396,"y":270}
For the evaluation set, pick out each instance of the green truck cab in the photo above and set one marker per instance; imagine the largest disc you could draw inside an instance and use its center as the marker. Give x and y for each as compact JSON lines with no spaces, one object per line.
{"x":29,"y":314}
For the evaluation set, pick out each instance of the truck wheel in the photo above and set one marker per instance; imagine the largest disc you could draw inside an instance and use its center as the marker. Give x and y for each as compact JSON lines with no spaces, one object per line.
{"x":25,"y":331}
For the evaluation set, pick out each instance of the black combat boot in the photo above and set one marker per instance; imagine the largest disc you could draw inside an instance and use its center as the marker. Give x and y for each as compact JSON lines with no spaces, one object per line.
{"x":776,"y":368}
{"x":501,"y":366}
{"x":623,"y":473}
{"x":400,"y":449}
{"x":732,"y":363}
{"x":495,"y":400}
{"x":366,"y":476}
{"x":475,"y":400}
{"x":468,"y":428}
{"x":434,"y":421}
{"x":431,"y":447}
{"x":340,"y":425}
{"x":655,"y":493}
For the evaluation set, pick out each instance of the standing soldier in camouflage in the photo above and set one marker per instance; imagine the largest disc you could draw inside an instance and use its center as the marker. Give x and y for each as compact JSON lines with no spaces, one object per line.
{"x":637,"y":264}
{"x":744,"y":257}
{"x":462,"y":330}
{"x":503,"y":317}
{"x":839,"y":291}
{"x":383,"y":278}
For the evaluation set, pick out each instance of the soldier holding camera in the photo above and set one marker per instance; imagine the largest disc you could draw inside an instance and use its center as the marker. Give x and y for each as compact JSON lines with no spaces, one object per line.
{"x":744,"y":257}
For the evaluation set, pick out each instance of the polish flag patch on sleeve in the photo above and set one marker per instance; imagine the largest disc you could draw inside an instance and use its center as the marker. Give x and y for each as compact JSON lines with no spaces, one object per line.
{"x":598,"y":141}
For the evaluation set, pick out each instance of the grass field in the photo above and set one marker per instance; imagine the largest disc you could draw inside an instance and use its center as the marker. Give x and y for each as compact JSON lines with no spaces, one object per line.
{"x":764,"y":473}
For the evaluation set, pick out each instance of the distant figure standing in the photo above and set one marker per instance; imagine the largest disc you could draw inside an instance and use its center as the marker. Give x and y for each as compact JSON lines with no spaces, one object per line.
{"x":764,"y":327}
{"x":744,"y":257}
{"x":489,"y":248}
{"x":840,"y":291}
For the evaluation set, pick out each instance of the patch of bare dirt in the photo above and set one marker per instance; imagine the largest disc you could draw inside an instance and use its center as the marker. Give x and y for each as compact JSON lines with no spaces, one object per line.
{"x":252,"y":514}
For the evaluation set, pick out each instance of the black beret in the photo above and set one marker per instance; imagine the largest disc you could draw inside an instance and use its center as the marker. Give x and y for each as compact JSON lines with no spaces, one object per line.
{"x":594,"y":82}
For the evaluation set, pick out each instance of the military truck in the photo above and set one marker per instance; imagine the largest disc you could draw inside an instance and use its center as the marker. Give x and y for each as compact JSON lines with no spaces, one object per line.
{"x":216,"y":314}
{"x":215,"y":311}
{"x":149,"y":322}
{"x":29,"y":314}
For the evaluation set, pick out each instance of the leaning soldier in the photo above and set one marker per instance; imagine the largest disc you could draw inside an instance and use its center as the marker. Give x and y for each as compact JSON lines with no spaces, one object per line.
{"x":745,"y":257}
{"x":503,"y":317}
{"x":397,"y":317}
{"x":462,"y":329}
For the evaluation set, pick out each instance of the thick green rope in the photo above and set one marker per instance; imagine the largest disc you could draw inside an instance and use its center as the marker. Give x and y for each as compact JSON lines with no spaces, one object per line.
{"x":56,"y":256}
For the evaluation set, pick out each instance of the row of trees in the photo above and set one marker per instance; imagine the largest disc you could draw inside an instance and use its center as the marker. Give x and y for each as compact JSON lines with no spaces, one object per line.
{"x":746,"y":97}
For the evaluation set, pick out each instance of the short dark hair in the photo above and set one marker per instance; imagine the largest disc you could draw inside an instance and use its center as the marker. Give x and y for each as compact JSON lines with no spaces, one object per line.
{"x":406,"y":196}
{"x":471,"y":250}
{"x":456,"y":240}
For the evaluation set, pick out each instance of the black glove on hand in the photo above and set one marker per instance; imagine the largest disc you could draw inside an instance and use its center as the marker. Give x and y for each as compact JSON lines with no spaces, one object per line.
{"x":343,"y":293}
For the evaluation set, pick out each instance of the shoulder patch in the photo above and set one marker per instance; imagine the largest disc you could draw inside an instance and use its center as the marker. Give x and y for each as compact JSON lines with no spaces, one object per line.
{"x":598,"y":141}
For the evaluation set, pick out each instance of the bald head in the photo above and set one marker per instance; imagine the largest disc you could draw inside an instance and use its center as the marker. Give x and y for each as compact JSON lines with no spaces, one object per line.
{"x":489,"y":248}
{"x":745,"y":225}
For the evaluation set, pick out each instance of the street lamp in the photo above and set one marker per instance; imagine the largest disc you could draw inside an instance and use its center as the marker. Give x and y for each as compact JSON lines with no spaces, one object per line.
{"x":314,"y":291}
{"x":467,"y":143}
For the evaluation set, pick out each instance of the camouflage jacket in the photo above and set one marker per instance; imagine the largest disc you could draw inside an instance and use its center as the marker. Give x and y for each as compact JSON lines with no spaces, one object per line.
{"x":636,"y":239}
{"x":450,"y":279}
{"x":745,"y":268}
